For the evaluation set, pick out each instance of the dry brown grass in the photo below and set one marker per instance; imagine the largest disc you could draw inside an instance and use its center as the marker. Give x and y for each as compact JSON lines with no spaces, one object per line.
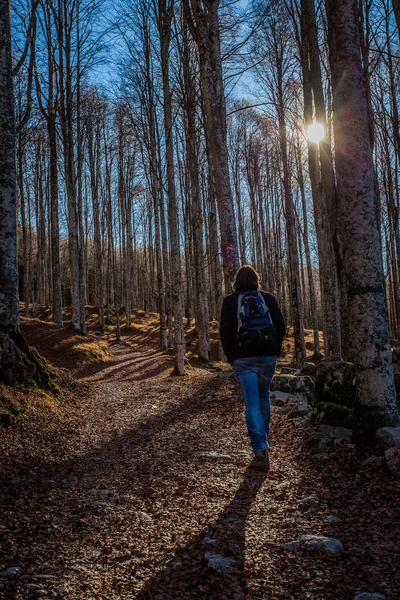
{"x":92,"y":351}
{"x":62,"y":346}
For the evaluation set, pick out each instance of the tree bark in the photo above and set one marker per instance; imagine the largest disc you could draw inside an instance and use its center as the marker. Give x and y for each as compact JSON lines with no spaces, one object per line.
{"x":322,"y":181}
{"x":204,"y":22}
{"x":358,"y":233}
{"x":9,"y":308}
{"x":396,"y":10}
{"x":197,"y":213}
{"x":176,"y":295}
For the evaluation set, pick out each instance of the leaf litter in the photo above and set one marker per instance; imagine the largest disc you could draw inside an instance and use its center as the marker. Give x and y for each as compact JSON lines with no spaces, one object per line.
{"x":117,"y":493}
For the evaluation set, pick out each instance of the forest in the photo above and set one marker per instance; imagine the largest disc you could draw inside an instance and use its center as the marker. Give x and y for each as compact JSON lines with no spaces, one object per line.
{"x":148,"y":150}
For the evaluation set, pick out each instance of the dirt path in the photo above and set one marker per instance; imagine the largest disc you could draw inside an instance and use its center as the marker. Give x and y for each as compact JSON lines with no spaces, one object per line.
{"x":112,"y":495}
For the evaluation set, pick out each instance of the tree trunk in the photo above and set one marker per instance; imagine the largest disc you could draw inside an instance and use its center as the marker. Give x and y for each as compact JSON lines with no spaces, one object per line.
{"x":310,"y":274}
{"x":197,"y":214}
{"x":176,"y":295}
{"x":205,"y":27}
{"x":55,"y":227}
{"x":358,"y":233}
{"x":322,"y":181}
{"x":396,"y":10}
{"x":295,"y":294}
{"x":9,"y":308}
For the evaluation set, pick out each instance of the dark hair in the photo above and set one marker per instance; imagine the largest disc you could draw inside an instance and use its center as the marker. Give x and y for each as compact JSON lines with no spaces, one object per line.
{"x":246,"y":278}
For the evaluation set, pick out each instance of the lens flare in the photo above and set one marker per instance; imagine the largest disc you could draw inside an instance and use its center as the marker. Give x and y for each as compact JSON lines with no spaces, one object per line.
{"x":315,"y":133}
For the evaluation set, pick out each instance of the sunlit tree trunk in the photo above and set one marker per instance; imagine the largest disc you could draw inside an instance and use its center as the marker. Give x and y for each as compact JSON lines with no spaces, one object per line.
{"x":204,"y":20}
{"x":294,"y":282}
{"x":66,"y":105}
{"x":197,"y":213}
{"x":310,"y":274}
{"x":322,"y":181}
{"x":164,"y":25}
{"x":358,"y":234}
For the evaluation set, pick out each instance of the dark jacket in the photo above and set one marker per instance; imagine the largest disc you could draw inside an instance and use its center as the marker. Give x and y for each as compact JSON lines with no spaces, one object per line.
{"x":228,"y":328}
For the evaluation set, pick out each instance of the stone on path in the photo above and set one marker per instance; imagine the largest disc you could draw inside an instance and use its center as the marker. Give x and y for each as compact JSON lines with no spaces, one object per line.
{"x":212,"y":455}
{"x":221,"y":564}
{"x":10,"y":573}
{"x":392,"y":457}
{"x":388,"y":437}
{"x":313,"y":543}
{"x":33,"y":587}
{"x":293,"y":384}
{"x":327,"y":432}
{"x":279,"y":398}
{"x":302,"y":409}
{"x":210,"y":541}
{"x":309,"y":500}
{"x":332,"y":520}
{"x":143,"y":516}
{"x":61,"y":590}
{"x":369,"y":596}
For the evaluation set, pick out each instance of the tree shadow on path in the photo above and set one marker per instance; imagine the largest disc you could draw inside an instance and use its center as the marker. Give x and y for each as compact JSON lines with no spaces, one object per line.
{"x":191,"y":574}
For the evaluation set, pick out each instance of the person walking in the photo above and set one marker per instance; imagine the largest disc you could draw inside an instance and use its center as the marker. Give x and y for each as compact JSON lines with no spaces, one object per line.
{"x":252,"y":329}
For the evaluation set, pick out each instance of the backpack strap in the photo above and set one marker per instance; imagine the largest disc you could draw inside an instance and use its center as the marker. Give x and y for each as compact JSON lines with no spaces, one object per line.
{"x":238,"y":310}
{"x":267,"y":311}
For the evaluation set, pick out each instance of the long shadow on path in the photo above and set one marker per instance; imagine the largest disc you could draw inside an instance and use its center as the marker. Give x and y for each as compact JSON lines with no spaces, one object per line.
{"x":211,"y":566}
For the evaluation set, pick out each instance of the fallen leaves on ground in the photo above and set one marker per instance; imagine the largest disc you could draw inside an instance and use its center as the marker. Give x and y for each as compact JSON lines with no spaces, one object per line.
{"x":114,"y":494}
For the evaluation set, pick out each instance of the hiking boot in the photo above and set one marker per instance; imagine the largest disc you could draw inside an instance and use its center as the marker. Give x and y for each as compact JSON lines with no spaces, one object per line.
{"x":261,"y":460}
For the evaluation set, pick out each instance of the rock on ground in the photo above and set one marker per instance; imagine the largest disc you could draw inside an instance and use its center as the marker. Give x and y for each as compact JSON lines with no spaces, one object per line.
{"x":292,"y":384}
{"x":315,"y":543}
{"x":334,"y":382}
{"x":392,"y":457}
{"x":326,"y":432}
{"x":388,"y":437}
{"x":308,"y":500}
{"x":332,"y":520}
{"x":279,"y":398}
{"x":221,"y":564}
{"x":369,"y":596}
{"x":10,"y":573}
{"x":61,"y":590}
{"x":309,"y":369}
{"x":213,"y":455}
{"x":333,"y":414}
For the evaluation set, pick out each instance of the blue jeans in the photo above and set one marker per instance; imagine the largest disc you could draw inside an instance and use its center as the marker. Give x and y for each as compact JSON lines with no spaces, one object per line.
{"x":254,"y":375}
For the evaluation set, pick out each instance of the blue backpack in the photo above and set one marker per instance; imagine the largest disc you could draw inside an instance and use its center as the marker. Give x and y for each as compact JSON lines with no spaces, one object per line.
{"x":255,"y":326}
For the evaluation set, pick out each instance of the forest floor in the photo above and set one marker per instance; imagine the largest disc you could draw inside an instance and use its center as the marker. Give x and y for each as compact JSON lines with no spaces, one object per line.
{"x":128,"y":485}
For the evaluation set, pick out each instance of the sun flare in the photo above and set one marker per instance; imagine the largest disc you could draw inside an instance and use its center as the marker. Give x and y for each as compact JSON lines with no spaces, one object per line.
{"x":315,"y":133}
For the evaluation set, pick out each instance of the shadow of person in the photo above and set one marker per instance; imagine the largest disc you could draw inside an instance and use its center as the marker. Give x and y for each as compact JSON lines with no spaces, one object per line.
{"x":211,"y":566}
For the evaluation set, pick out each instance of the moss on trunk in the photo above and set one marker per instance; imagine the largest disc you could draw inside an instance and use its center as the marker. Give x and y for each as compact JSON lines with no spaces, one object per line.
{"x":21,"y":364}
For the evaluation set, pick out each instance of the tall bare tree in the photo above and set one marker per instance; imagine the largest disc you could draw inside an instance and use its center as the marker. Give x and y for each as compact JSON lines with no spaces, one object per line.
{"x":358,"y":231}
{"x":9,"y":308}
{"x":203,"y":19}
{"x":164,"y":13}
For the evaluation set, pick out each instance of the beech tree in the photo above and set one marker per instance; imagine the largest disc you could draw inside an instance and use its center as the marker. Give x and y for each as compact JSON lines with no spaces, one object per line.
{"x":358,"y":232}
{"x":164,"y":14}
{"x":203,"y":19}
{"x":9,"y":308}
